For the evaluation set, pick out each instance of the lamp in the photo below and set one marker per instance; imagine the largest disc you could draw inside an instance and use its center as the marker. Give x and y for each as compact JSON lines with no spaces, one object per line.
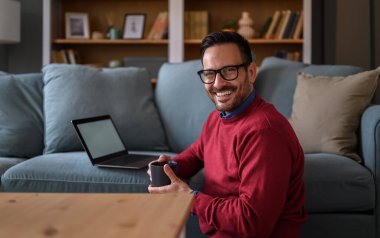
{"x":9,"y":21}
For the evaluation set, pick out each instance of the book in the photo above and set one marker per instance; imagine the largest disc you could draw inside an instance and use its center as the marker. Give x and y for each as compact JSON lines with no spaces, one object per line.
{"x":187,"y":28}
{"x":204,"y":24}
{"x":57,"y":57}
{"x":299,"y":27}
{"x":265,"y":27}
{"x":160,"y":27}
{"x":277,"y":26}
{"x":64,"y":56}
{"x":294,"y":25}
{"x":284,"y":54}
{"x":283,"y":23}
{"x":72,"y":56}
{"x":275,"y":18}
{"x":196,"y":24}
{"x":288,"y":25}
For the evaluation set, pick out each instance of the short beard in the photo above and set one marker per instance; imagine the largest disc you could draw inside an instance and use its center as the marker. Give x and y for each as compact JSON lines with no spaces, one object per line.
{"x":239,"y":99}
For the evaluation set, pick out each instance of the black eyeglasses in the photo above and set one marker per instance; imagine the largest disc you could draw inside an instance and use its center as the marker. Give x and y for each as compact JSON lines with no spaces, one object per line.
{"x":228,"y":73}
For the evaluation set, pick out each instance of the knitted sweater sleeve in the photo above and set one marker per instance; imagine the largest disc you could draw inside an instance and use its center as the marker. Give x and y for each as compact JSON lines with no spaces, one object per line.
{"x":190,"y":161}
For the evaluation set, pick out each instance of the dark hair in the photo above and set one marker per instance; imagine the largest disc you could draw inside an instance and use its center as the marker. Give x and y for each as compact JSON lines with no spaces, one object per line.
{"x":221,"y":37}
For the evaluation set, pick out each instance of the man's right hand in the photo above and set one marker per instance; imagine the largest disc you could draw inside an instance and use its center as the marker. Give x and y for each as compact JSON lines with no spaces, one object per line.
{"x":162,"y":158}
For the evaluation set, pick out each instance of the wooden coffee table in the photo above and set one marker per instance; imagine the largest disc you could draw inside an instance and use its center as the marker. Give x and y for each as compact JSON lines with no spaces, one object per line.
{"x":93,"y":215}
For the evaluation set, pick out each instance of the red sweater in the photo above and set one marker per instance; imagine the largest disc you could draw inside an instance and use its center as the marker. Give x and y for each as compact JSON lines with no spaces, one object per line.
{"x":254,"y":167}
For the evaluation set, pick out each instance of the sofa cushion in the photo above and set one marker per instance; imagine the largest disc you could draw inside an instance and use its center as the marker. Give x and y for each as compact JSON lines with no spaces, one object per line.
{"x":21,"y":117}
{"x":184,"y":116}
{"x":277,"y":79}
{"x":327,"y":110}
{"x":72,"y":172}
{"x":73,"y":91}
{"x":7,"y":162}
{"x":336,"y":183}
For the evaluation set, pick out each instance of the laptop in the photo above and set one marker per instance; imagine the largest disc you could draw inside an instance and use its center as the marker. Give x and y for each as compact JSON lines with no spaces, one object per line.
{"x":102,"y":142}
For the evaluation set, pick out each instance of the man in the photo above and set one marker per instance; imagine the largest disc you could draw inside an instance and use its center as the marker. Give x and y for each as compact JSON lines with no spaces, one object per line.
{"x":252,"y":159}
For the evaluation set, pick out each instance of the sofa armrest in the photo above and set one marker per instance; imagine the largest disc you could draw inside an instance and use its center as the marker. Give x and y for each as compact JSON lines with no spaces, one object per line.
{"x":370,"y":139}
{"x":370,"y":144}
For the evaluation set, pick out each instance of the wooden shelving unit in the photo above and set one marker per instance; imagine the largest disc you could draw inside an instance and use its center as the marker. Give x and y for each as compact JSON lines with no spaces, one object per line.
{"x":176,"y":48}
{"x":259,"y":10}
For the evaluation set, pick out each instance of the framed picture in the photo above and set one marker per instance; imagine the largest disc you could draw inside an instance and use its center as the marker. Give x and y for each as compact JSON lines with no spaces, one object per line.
{"x":134,"y":26}
{"x":77,"y":25}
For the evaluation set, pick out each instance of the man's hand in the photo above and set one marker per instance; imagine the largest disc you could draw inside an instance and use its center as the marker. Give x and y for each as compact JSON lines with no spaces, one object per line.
{"x":176,"y":186}
{"x":162,"y":158}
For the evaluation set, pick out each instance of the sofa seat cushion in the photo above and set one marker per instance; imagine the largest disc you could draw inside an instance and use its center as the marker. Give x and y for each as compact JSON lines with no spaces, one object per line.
{"x":72,"y":172}
{"x":335,"y":183}
{"x":7,"y":162}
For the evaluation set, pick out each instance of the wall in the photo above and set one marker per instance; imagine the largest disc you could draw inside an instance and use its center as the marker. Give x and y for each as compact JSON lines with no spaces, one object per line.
{"x":377,"y":33}
{"x":26,"y":56}
{"x":353,"y":33}
{"x":342,"y":33}
{"x":3,"y":58}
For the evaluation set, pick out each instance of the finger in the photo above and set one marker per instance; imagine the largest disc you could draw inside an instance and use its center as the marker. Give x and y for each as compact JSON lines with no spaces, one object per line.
{"x":170,"y":173}
{"x":163,"y":189}
{"x":163,"y":158}
{"x":148,"y":170}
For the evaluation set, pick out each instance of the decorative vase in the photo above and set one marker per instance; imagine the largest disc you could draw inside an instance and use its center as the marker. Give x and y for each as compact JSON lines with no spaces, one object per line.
{"x":245,"y":26}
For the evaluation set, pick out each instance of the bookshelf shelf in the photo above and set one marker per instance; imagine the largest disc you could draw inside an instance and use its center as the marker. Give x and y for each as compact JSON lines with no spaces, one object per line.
{"x":109,"y":42}
{"x":253,"y":41}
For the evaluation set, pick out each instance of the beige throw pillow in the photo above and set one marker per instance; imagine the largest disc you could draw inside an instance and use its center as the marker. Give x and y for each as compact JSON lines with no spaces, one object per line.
{"x":327,"y":110}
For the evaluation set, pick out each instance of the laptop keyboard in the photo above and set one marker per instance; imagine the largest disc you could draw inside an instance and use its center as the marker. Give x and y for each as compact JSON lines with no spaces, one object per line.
{"x":128,"y":160}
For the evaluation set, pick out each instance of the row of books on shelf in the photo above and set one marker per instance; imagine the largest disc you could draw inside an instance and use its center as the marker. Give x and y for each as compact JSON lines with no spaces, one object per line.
{"x":160,"y":28}
{"x":65,"y":56}
{"x":285,"y":24}
{"x":284,"y":54}
{"x":196,"y":25}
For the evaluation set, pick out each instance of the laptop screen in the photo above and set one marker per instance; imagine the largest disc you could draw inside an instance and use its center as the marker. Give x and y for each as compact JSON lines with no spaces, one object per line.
{"x":101,"y":138}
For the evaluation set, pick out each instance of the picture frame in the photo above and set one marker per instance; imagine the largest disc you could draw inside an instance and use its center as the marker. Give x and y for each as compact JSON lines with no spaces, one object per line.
{"x":134,"y":25}
{"x":77,"y":25}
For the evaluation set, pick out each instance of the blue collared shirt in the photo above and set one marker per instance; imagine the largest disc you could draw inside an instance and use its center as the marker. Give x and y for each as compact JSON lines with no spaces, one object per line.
{"x":239,"y":108}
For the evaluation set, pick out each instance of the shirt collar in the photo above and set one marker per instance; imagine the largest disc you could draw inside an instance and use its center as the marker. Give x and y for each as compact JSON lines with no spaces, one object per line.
{"x":240,"y":108}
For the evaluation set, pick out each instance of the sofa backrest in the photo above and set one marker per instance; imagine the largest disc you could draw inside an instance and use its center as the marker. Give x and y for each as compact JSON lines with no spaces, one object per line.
{"x":21,"y":115}
{"x":76,"y":91}
{"x":182,"y":103}
{"x":277,"y":79}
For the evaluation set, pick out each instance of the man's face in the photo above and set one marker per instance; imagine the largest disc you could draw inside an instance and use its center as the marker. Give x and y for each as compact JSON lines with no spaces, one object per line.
{"x":228,"y":95}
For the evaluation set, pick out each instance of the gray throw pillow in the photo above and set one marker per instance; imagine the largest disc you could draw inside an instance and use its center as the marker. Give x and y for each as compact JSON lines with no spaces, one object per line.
{"x":21,"y":119}
{"x":74,"y":91}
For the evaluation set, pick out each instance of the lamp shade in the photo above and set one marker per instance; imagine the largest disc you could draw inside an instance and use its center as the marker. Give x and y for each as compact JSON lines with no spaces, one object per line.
{"x":9,"y":21}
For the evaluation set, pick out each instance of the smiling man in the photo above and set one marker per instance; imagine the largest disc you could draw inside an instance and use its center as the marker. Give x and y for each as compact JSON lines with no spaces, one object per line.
{"x":252,"y":159}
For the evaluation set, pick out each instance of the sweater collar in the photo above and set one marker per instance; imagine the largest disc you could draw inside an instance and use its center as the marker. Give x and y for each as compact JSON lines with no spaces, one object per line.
{"x":240,"y":108}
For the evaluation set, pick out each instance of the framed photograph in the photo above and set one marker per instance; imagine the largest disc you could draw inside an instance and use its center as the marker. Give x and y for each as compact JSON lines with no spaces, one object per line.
{"x":134,"y":26}
{"x":76,"y":25}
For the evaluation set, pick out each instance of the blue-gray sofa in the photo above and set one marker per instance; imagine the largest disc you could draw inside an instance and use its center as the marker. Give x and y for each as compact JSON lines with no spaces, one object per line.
{"x":39,"y":151}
